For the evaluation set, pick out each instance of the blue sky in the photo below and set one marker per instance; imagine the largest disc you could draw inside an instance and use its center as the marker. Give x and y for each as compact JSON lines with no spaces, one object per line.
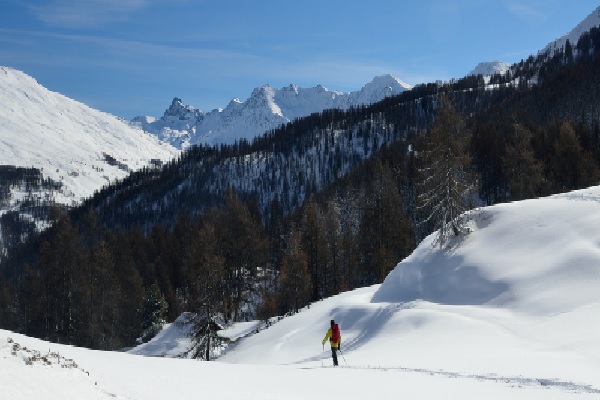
{"x":131,"y":57}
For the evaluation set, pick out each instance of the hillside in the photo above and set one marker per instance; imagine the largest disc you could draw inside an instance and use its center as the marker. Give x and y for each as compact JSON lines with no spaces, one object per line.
{"x":591,"y":21}
{"x":511,"y":311}
{"x":70,"y":143}
{"x":517,"y":297}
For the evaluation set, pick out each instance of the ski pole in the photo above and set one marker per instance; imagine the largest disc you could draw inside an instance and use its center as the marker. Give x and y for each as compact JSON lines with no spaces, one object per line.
{"x":322,"y":356}
{"x":340,"y":350}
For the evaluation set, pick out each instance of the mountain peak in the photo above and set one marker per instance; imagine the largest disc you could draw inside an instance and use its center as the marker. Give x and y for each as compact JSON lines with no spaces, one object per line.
{"x":265,"y":109}
{"x":490,"y":68}
{"x":291,"y":88}
{"x":389,"y":80}
{"x":379,"y":88}
{"x":179,"y":110}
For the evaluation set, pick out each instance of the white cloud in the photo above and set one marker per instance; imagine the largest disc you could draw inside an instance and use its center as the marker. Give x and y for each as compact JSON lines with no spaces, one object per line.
{"x":89,"y":13}
{"x":527,"y":12}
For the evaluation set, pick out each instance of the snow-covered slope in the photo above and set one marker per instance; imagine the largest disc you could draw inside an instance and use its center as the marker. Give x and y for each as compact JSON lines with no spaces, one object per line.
{"x":70,"y":142}
{"x":509,"y":312}
{"x":592,"y":21}
{"x":490,"y":68}
{"x":500,"y":67}
{"x":265,"y":109}
{"x":517,"y":297}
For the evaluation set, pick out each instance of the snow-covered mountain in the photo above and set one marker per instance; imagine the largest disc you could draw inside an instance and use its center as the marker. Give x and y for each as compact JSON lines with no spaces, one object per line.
{"x":500,"y":67}
{"x":490,"y":68}
{"x":509,"y":312}
{"x":591,"y":21}
{"x":266,"y":108}
{"x":71,"y":143}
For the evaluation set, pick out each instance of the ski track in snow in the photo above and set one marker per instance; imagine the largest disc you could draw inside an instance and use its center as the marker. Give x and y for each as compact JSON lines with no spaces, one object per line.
{"x":514,"y":381}
{"x":576,"y":197}
{"x":376,"y":324}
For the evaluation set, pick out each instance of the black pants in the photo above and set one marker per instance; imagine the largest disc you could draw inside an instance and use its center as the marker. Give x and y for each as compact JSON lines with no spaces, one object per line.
{"x":334,"y":355}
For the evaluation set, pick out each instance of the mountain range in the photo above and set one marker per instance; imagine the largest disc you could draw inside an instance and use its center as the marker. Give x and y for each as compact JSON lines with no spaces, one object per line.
{"x":266,"y":109}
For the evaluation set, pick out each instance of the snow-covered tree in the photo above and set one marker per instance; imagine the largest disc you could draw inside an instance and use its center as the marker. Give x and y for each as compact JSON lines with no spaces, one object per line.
{"x":206,"y":344}
{"x":205,"y":270}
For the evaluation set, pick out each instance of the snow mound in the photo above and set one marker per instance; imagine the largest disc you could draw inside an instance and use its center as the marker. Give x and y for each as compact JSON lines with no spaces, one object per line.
{"x":518,"y":296}
{"x":538,"y":256}
{"x":33,"y":374}
{"x":174,"y":340}
{"x":35,"y":357}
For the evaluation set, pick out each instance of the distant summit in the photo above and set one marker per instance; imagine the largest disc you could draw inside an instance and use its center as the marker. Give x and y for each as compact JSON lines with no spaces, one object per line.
{"x":490,"y":68}
{"x":379,"y":88}
{"x":180,"y":110}
{"x":266,"y":108}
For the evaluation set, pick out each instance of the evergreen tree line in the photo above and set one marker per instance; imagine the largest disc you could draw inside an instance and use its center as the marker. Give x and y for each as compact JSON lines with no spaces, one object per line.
{"x":337,"y":141}
{"x":15,"y":228}
{"x":86,"y":284}
{"x":292,"y":162}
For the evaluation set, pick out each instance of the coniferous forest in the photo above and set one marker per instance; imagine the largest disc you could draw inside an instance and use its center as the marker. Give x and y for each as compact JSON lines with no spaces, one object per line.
{"x":324,"y":204}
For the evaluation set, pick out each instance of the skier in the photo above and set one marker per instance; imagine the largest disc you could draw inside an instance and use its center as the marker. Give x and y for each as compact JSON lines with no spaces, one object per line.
{"x":335,"y":340}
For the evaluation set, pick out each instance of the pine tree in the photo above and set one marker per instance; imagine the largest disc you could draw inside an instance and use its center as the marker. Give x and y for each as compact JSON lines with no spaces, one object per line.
{"x":445,"y":175}
{"x":315,"y":246}
{"x":573,"y":167}
{"x":205,"y":273}
{"x":243,"y":246}
{"x":520,"y":165}
{"x":384,"y":227}
{"x":294,"y":287}
{"x":154,"y":311}
{"x":105,"y":299}
{"x":131,"y":288}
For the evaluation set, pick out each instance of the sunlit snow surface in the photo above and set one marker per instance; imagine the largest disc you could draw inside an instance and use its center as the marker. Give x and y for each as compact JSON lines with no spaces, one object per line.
{"x":68,"y":140}
{"x":510,"y":312}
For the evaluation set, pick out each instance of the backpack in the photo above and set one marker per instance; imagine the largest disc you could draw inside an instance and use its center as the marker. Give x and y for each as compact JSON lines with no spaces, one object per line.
{"x":335,"y":334}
